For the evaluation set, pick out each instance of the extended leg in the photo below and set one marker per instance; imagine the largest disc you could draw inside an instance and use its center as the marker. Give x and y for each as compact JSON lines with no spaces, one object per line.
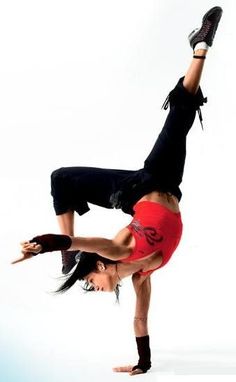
{"x":163,"y":168}
{"x":167,"y":158}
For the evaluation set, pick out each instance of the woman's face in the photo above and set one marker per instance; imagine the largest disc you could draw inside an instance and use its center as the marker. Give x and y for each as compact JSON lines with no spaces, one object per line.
{"x":102,"y":280}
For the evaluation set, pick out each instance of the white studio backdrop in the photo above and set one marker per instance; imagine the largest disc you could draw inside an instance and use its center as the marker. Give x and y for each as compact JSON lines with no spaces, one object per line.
{"x":82,"y":84}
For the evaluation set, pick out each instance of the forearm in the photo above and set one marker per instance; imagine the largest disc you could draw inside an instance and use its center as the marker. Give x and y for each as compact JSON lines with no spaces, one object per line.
{"x":105,"y":247}
{"x":140,"y":326}
{"x":143,"y":293}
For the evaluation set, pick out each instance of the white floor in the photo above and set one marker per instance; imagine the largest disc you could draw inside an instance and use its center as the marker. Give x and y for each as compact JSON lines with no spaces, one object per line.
{"x":82,"y":83}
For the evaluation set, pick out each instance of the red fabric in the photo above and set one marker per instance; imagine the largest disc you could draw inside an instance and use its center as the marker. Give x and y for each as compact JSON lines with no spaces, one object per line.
{"x":155,"y":228}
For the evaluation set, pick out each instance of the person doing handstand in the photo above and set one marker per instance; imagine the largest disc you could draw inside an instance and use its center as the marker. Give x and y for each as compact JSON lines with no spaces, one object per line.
{"x":151,"y":195}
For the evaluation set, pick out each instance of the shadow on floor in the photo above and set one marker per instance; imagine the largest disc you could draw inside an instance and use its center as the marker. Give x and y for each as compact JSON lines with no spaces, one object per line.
{"x":194,"y":362}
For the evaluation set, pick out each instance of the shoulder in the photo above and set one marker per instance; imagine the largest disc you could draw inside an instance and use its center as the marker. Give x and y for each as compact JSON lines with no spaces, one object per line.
{"x":119,"y":247}
{"x":123,"y":237}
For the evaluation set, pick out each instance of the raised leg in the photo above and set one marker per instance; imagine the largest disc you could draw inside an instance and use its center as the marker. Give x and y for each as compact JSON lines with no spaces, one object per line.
{"x":167,"y":158}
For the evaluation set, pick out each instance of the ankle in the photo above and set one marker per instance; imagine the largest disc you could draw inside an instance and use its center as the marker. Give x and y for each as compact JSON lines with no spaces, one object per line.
{"x":200,"y":52}
{"x":201,"y":45}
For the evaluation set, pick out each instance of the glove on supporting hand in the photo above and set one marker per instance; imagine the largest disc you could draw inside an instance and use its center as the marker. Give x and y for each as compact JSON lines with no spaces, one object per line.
{"x":144,"y":353}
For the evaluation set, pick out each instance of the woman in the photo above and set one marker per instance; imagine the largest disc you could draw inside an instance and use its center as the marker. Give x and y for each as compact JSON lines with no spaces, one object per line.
{"x":151,"y":195}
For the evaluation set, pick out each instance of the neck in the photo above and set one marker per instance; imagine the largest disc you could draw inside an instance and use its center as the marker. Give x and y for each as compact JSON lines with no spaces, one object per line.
{"x":127,"y":269}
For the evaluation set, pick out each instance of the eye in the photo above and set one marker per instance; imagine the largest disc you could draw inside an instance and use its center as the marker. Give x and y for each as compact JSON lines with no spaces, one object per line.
{"x":88,"y":287}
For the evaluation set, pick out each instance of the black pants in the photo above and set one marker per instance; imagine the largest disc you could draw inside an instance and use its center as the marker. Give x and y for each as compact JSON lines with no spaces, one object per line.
{"x":73,"y":188}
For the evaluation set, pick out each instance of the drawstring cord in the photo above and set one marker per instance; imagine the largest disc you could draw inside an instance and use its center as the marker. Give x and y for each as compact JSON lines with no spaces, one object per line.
{"x":204,"y":100}
{"x":167,"y":102}
{"x":200,"y":116}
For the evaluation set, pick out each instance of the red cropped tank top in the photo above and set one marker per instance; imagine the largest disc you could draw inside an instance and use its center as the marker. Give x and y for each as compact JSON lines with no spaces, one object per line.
{"x":155,"y":228}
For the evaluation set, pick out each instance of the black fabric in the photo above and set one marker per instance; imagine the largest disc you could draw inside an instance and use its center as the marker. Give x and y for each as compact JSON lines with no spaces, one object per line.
{"x":199,"y":57}
{"x":73,"y":188}
{"x":144,"y":353}
{"x":51,"y":242}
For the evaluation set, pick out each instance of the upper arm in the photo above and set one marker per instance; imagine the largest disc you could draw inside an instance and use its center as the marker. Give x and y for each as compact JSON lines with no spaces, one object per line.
{"x":115,"y":251}
{"x":107,"y":248}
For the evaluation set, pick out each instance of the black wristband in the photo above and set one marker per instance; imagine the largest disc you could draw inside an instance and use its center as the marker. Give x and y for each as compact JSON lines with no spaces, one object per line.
{"x":144,"y":353}
{"x":51,"y":242}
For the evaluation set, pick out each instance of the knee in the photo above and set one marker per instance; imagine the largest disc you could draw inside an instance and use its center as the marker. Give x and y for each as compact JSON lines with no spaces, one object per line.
{"x":57,"y":175}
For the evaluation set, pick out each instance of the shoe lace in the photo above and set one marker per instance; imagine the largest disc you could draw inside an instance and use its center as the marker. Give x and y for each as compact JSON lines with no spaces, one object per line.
{"x":205,"y":29}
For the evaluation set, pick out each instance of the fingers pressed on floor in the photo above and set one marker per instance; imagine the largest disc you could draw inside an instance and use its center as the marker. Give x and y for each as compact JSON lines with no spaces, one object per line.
{"x":137,"y":371}
{"x":123,"y":369}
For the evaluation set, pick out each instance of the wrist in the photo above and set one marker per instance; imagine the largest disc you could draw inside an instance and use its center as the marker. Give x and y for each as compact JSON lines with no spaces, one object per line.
{"x":144,"y":353}
{"x":51,"y":242}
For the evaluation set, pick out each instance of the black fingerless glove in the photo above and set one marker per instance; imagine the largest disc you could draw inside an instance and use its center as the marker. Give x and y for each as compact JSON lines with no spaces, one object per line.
{"x":51,"y":242}
{"x":144,"y":353}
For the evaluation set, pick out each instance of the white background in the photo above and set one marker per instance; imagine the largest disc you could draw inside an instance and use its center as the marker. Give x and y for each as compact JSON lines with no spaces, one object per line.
{"x":82,"y":83}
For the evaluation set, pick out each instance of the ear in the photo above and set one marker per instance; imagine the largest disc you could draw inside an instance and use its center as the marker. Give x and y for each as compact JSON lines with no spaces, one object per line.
{"x":100,"y":266}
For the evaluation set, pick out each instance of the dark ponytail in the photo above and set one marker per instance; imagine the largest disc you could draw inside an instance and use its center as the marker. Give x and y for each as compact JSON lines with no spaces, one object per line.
{"x":70,"y":281}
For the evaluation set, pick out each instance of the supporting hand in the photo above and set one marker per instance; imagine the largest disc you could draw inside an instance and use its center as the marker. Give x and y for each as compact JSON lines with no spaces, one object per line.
{"x":127,"y":369}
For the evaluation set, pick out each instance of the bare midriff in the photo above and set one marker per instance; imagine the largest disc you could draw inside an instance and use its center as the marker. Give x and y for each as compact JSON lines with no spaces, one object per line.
{"x":166,"y":199}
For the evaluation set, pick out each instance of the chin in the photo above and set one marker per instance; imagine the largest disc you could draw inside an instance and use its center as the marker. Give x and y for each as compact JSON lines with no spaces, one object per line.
{"x":109,"y":288}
